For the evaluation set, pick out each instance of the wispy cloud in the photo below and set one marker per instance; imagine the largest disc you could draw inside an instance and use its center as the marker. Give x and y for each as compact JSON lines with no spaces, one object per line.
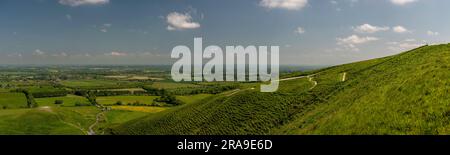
{"x":367,"y":28}
{"x":75,"y":3}
{"x":351,"y":42}
{"x":38,"y":52}
{"x":402,"y":2}
{"x":431,"y":33}
{"x":284,"y":4}
{"x":299,"y":30}
{"x":116,"y":53}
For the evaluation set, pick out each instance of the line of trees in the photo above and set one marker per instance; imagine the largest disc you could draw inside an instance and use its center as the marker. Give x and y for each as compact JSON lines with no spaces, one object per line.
{"x":30,"y":99}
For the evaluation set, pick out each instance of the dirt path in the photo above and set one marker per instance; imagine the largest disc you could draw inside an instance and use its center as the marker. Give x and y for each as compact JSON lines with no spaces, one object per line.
{"x":234,"y":92}
{"x":344,"y":77}
{"x":97,"y":120}
{"x":311,"y":79}
{"x":293,"y":78}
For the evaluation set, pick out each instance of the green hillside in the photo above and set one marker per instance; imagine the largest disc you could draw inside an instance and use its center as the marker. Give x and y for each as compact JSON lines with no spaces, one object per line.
{"x":401,"y":94}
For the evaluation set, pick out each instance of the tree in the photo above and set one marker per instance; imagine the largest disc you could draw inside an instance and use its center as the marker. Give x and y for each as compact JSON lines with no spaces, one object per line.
{"x":168,"y":99}
{"x":119,"y":103}
{"x":59,"y":102}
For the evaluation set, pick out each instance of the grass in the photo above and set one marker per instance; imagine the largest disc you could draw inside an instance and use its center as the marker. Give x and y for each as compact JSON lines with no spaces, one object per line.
{"x":12,"y":100}
{"x":69,"y":101}
{"x":122,"y":116}
{"x":193,"y":98}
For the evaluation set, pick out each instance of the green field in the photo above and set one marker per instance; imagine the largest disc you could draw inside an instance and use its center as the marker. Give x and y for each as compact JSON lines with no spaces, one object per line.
{"x":98,"y":84}
{"x":68,"y":101}
{"x":172,"y":85}
{"x":12,"y":100}
{"x":148,"y":100}
{"x":110,"y":100}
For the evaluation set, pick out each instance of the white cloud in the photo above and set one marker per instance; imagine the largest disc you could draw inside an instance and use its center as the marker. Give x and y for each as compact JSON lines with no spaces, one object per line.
{"x":402,"y":2}
{"x":400,"y":29}
{"x":354,"y":39}
{"x":115,"y":53}
{"x":284,"y":4}
{"x":410,"y":40}
{"x":82,"y":2}
{"x":431,"y":33}
{"x":103,"y":28}
{"x":178,"y":21}
{"x":38,"y":52}
{"x":299,"y":30}
{"x":351,"y":42}
{"x":367,"y":28}
{"x":62,"y":54}
{"x":15,"y":55}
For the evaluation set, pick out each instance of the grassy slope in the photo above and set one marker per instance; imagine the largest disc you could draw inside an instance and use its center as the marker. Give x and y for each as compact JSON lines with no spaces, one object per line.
{"x":407,"y":94}
{"x":402,"y":94}
{"x":40,"y":121}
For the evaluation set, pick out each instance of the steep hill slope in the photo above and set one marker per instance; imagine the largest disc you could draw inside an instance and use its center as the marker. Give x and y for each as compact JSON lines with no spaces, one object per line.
{"x":401,"y":94}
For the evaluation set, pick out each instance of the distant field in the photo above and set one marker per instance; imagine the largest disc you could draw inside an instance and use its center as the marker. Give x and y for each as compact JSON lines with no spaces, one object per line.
{"x":87,"y":83}
{"x":98,"y":84}
{"x":116,"y":76}
{"x":126,"y":99}
{"x":139,"y":109}
{"x":127,"y":89}
{"x":172,"y":85}
{"x":12,"y":100}
{"x":69,"y":100}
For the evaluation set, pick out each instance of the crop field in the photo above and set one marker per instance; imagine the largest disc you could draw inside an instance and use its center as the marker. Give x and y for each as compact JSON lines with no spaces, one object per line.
{"x":111,"y":100}
{"x":98,"y":84}
{"x":68,"y":101}
{"x":145,"y":109}
{"x":12,"y":100}
{"x":171,"y":85}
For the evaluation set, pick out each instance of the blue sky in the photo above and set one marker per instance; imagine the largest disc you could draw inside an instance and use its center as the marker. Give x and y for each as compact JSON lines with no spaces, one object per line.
{"x":309,"y":32}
